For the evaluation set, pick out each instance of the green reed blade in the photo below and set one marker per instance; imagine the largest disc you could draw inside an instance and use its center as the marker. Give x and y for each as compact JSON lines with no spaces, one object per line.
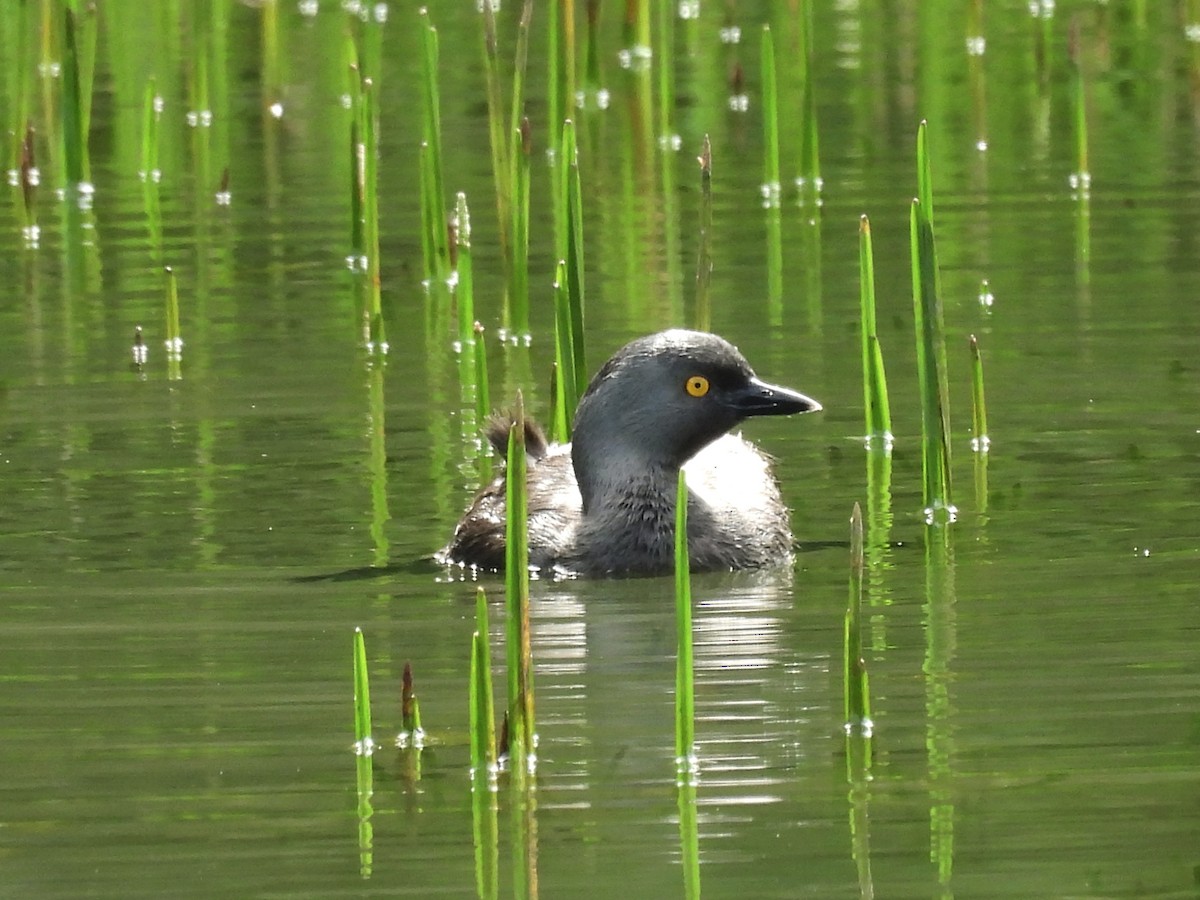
{"x":516,"y":592}
{"x":408,"y":699}
{"x":924,"y":172}
{"x":483,"y":400}
{"x":73,"y":135}
{"x":566,"y":396}
{"x":432,"y":135}
{"x":520,"y":61}
{"x":358,"y":239}
{"x":174,"y":341}
{"x":27,"y":166}
{"x":592,"y":78}
{"x":935,"y":444}
{"x":482,"y":713}
{"x":931,"y":345}
{"x":810,"y":151}
{"x":770,"y":102}
{"x":856,"y":691}
{"x":573,"y":253}
{"x":663,"y":56}
{"x":497,"y":131}
{"x":875,"y":392}
{"x":1081,"y":178}
{"x":554,"y":74}
{"x":87,"y":31}
{"x":14,"y":19}
{"x":519,"y":268}
{"x":685,"y":689}
{"x":464,"y":287}
{"x":980,"y":442}
{"x":369,"y":129}
{"x":362,"y":697}
{"x":518,"y":155}
{"x":704,"y":260}
{"x":150,"y":116}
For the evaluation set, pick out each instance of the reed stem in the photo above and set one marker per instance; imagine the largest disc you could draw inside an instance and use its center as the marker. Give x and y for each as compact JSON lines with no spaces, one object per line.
{"x":770,"y":102}
{"x":980,"y":442}
{"x":931,"y":347}
{"x":482,"y":713}
{"x":464,"y":287}
{"x":704,"y":260}
{"x":363,"y":744}
{"x":685,"y":692}
{"x":516,"y":572}
{"x":875,"y":393}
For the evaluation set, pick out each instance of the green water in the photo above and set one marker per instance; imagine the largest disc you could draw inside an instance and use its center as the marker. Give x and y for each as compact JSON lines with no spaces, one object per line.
{"x":176,"y":686}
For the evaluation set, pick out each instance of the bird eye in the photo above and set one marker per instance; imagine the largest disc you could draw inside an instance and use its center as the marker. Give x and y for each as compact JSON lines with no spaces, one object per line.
{"x":697,"y":385}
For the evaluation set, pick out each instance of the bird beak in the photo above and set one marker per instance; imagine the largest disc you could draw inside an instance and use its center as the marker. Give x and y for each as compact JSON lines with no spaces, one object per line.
{"x":758,"y":398}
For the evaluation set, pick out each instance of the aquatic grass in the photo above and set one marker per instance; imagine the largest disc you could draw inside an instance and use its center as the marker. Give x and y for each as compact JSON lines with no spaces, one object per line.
{"x":432,"y":183}
{"x":364,"y":745}
{"x":516,"y":592}
{"x":464,"y":288}
{"x":704,"y":254}
{"x":570,"y":373}
{"x":174,"y":338}
{"x":564,"y":397}
{"x":410,"y":708}
{"x":87,"y":28}
{"x":770,"y":187}
{"x":483,"y":400}
{"x":875,"y":393}
{"x":377,"y":464}
{"x":976,"y":75}
{"x":518,"y":155}
{"x":150,"y":173}
{"x":663,"y":57}
{"x":770,"y":116}
{"x":151,"y":113}
{"x":686,"y":762}
{"x":74,"y":138}
{"x":518,"y":291}
{"x":931,"y":348}
{"x":15,"y":22}
{"x":570,"y":251}
{"x":498,"y":131}
{"x":1042,"y":12}
{"x":555,"y":102}
{"x":364,"y":748}
{"x":367,"y":157}
{"x":856,"y":685}
{"x":1081,"y":179}
{"x":593,"y":91}
{"x":30,"y":178}
{"x":482,"y":712}
{"x":980,"y":442}
{"x":809,"y":180}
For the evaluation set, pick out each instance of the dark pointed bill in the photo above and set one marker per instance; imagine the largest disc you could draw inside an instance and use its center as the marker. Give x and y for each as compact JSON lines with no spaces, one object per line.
{"x":757,"y":398}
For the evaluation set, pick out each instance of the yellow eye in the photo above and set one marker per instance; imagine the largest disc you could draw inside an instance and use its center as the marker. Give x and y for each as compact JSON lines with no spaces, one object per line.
{"x":697,"y":385}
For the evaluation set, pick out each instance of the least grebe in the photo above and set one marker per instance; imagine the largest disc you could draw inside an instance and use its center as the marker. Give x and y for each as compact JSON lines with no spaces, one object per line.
{"x":605,"y":503}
